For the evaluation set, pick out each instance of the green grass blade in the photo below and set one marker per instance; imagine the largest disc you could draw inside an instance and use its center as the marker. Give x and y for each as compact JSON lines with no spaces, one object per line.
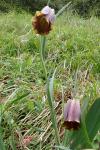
{"x":62,"y":148}
{"x":12,"y":142}
{"x":14,"y":101}
{"x":2,"y":146}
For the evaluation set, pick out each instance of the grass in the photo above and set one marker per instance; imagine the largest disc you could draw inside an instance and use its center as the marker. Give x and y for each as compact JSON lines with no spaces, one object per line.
{"x":73,"y":47}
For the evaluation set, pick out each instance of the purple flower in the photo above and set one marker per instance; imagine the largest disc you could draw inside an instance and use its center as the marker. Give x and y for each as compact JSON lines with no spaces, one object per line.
{"x":50,"y":14}
{"x":43,"y":20}
{"x":72,"y":113}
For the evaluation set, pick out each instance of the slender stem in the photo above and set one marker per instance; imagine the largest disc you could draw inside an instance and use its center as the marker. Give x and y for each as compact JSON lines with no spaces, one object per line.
{"x":62,"y":9}
{"x":49,"y":91}
{"x":48,"y":2}
{"x":42,"y":47}
{"x":43,"y":41}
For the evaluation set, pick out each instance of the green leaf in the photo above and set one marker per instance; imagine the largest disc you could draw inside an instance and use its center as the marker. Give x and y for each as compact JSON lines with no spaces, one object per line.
{"x":51,"y":83}
{"x":85,"y":104}
{"x":93,"y":119}
{"x":79,"y":139}
{"x":92,"y":123}
{"x":66,"y":139}
{"x":50,"y":95}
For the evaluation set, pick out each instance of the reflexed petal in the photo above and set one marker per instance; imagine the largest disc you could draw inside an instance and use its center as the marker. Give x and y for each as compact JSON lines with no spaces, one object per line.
{"x":50,"y":13}
{"x":46,"y":10}
{"x":51,"y":16}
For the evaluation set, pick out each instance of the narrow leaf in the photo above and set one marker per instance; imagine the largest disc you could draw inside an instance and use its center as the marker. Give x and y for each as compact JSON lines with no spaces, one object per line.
{"x":50,"y":84}
{"x":62,"y":9}
{"x":93,"y":119}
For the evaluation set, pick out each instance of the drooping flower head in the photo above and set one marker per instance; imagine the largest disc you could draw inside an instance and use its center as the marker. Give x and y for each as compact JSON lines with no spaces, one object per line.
{"x":43,"y":20}
{"x":72,"y":113}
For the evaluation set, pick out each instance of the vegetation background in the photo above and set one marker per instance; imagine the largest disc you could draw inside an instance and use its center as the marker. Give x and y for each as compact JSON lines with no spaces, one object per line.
{"x":83,"y":7}
{"x":73,"y":46}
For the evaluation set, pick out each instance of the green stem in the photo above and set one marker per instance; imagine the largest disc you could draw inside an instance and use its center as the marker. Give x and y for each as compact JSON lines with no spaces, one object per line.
{"x":43,"y":41}
{"x":62,"y":9}
{"x":42,"y":47}
{"x":48,"y":2}
{"x":50,"y":96}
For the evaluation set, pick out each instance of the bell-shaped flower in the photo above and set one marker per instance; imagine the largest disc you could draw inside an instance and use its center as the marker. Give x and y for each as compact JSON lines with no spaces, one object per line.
{"x":43,"y":20}
{"x":72,"y":114}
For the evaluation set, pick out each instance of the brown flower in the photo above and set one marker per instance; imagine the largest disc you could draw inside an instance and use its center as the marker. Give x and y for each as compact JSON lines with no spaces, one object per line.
{"x":43,"y":20}
{"x":72,"y":114}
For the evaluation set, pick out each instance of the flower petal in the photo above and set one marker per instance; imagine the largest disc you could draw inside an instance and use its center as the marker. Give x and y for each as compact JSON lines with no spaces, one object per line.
{"x":51,"y":16}
{"x":50,"y":13}
{"x":41,"y":24}
{"x":78,"y":112}
{"x":66,"y":109}
{"x":72,"y":113}
{"x":46,"y":10}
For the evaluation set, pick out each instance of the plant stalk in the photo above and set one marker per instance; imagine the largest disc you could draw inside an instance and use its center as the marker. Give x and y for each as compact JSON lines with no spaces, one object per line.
{"x":42,"y":48}
{"x":49,"y":90}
